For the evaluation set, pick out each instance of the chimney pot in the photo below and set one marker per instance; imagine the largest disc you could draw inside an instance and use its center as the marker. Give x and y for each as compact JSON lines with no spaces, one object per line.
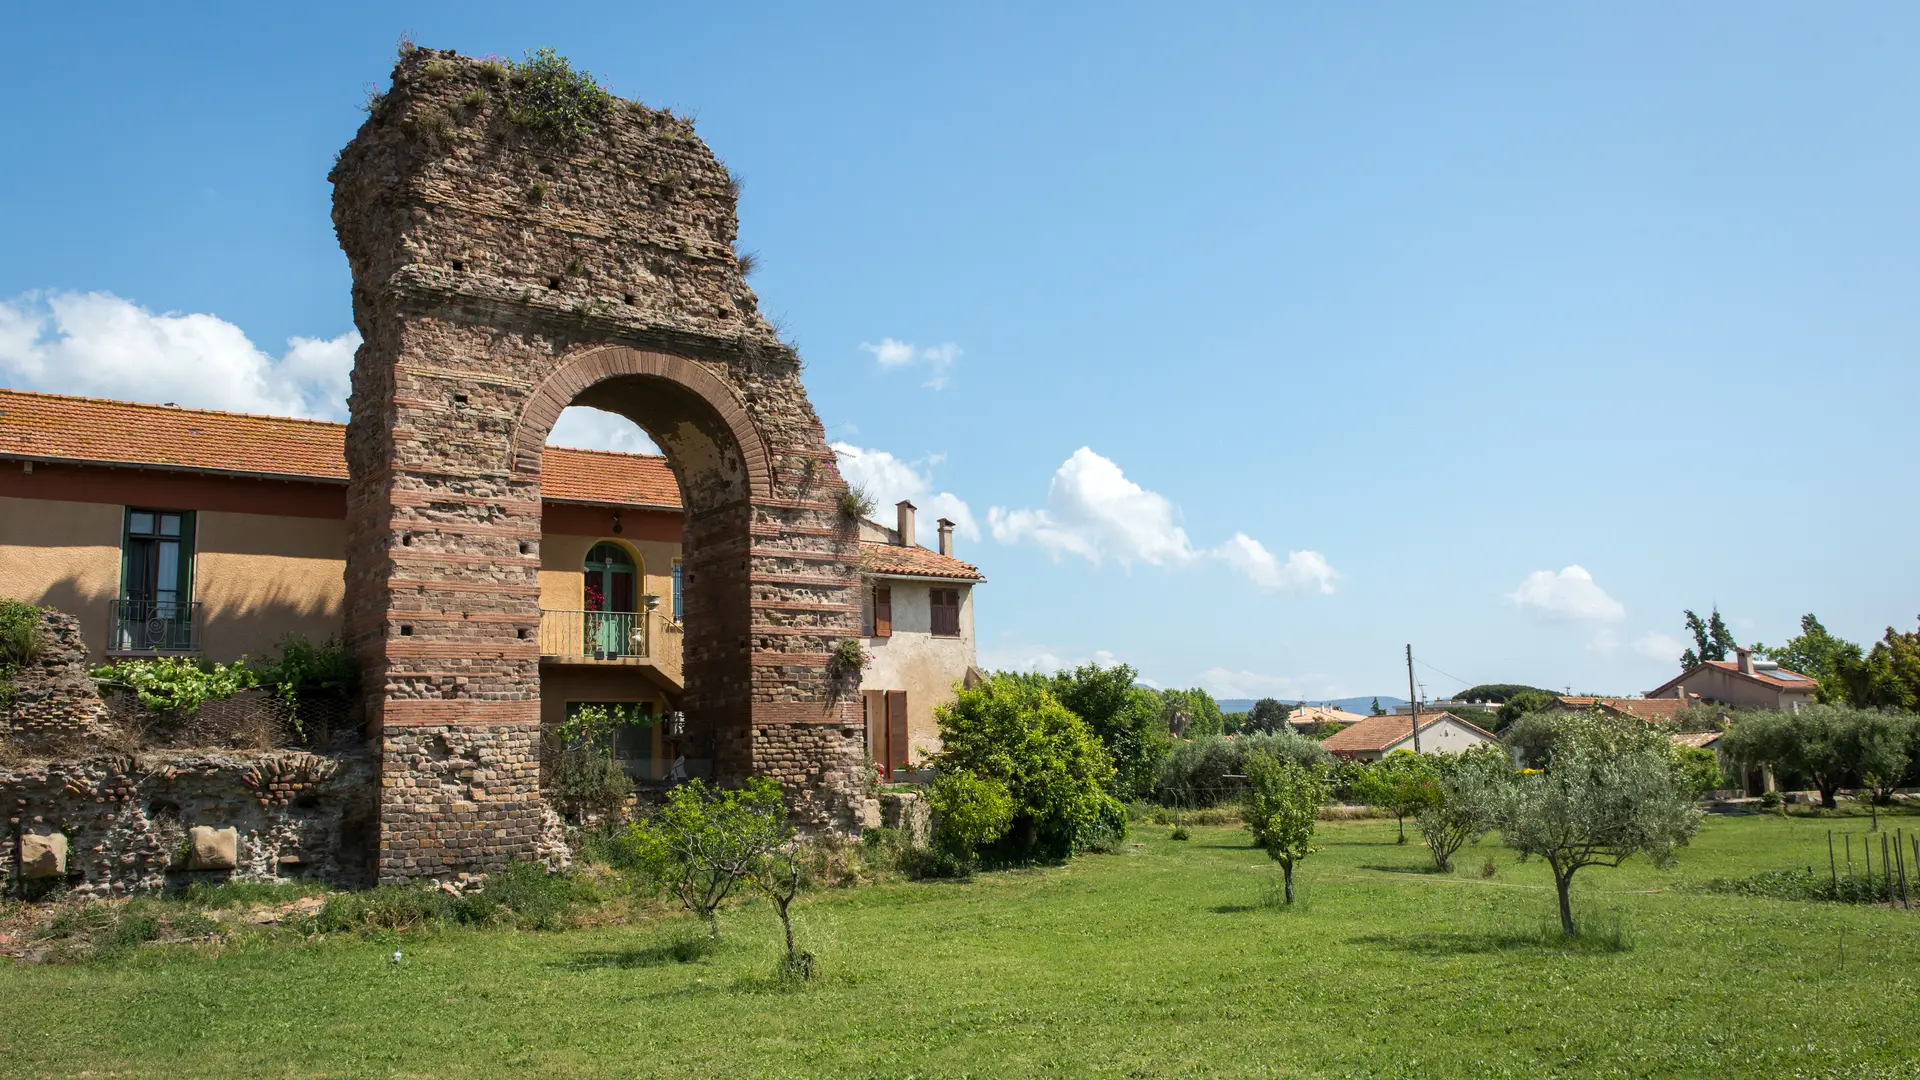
{"x":906,"y":522}
{"x":1746,"y":660}
{"x":946,"y":537}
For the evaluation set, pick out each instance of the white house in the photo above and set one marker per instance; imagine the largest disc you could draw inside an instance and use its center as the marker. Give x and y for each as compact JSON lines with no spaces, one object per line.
{"x":1377,"y":736}
{"x":917,"y":622}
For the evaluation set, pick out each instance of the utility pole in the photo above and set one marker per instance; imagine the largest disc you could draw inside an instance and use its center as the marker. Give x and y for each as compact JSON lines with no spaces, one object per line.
{"x":1413,"y":697}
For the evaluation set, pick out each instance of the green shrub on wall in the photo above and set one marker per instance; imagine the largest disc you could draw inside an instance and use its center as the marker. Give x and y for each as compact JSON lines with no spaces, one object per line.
{"x":20,"y":643}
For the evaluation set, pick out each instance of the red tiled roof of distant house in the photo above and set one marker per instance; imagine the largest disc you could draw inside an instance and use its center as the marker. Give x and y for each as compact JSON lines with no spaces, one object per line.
{"x":61,"y":427}
{"x":1654,"y":708}
{"x":1379,"y":732}
{"x":877,"y":558}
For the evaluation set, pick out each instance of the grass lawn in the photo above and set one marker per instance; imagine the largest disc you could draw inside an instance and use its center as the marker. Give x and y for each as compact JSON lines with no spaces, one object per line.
{"x":1161,"y":962}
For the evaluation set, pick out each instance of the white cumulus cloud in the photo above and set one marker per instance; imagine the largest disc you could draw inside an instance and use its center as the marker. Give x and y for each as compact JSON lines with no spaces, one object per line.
{"x":585,"y":428}
{"x":1045,"y":659}
{"x":1658,"y":646}
{"x":99,"y":345}
{"x":1095,"y":513}
{"x":1305,"y":570}
{"x":1223,"y":682}
{"x":937,"y":360}
{"x":890,"y":479}
{"x":1570,"y":595}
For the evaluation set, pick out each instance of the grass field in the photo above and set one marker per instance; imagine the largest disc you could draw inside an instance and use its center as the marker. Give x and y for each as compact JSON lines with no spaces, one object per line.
{"x":1159,"y":962}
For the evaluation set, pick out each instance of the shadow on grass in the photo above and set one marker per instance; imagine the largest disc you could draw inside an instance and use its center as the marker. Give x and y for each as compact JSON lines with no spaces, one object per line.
{"x":1597,"y":935}
{"x":680,"y":950}
{"x":1423,"y":868}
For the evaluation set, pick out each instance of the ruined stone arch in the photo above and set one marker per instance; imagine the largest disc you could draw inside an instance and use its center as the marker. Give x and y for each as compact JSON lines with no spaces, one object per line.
{"x":498,"y":277}
{"x":616,"y":378}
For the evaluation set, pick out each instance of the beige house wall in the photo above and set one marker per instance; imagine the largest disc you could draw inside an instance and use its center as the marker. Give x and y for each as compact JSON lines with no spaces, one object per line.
{"x":261,"y":577}
{"x":64,"y":555}
{"x":912,"y":659}
{"x":1728,"y":688}
{"x":563,"y":574}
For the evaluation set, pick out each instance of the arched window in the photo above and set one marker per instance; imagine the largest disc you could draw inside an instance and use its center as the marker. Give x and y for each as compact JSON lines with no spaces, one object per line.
{"x":610,"y":578}
{"x":611,"y":629}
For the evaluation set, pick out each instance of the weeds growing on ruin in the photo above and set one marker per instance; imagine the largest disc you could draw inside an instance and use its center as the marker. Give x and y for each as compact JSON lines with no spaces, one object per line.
{"x":547,"y":96}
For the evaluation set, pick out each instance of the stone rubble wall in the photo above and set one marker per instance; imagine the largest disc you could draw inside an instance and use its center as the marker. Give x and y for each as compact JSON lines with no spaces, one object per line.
{"x":126,"y":818}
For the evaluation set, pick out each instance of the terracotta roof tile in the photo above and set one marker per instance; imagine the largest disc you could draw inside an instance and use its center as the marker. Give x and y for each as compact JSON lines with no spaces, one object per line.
{"x":71,"y":428}
{"x":1653,"y":708}
{"x":1379,"y":732}
{"x":1701,"y":739}
{"x":1794,"y":683}
{"x":913,"y":562}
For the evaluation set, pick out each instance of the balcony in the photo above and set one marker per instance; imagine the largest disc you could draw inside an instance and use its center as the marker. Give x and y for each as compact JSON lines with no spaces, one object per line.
{"x":638,"y":638}
{"x":156,"y":628}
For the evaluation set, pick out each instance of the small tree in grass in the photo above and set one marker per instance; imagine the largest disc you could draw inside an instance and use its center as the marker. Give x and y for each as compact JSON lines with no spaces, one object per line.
{"x":1282,"y":802}
{"x":1402,"y":783}
{"x":1610,"y":791}
{"x":1466,"y":805}
{"x":703,"y":843}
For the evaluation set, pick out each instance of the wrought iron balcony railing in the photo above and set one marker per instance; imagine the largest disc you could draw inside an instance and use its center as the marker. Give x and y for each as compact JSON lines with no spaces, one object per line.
{"x":156,"y":626}
{"x":611,"y":635}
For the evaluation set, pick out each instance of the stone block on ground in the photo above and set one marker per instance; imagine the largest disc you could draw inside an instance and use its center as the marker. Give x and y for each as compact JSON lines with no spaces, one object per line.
{"x":43,"y":854}
{"x":213,"y":849}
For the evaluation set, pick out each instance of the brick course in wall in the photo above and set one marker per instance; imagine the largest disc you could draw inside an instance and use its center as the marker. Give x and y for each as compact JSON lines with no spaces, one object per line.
{"x":498,"y":277}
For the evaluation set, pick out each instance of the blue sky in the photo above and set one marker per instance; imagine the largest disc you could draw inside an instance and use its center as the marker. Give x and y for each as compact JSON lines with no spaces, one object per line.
{"x":1446,"y":299}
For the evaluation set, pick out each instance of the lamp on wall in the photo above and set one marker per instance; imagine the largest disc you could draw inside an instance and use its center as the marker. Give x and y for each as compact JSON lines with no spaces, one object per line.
{"x":616,"y":523}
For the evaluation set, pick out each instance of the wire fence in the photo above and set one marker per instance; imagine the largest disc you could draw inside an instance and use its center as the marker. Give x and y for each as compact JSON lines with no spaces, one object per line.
{"x":250,"y":720}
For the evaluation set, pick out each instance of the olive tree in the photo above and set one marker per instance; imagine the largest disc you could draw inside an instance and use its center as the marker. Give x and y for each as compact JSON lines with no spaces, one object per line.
{"x":1282,"y":804}
{"x":1610,"y":791}
{"x":703,"y":843}
{"x":1468,"y":789}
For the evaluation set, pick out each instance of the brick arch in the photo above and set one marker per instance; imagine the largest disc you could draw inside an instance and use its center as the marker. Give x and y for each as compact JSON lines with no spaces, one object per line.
{"x":584,"y":370}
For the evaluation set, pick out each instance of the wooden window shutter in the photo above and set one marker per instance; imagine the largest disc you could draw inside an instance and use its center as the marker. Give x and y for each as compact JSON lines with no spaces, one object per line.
{"x":882,"y":611}
{"x":896,"y":730}
{"x":945,"y":605}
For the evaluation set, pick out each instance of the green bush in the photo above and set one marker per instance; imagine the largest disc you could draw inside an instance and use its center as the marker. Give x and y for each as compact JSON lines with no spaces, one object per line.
{"x":586,"y":781}
{"x":388,"y":907}
{"x":523,"y":894}
{"x":304,"y":669}
{"x":1049,"y":762}
{"x":1203,"y":771}
{"x":971,"y":812}
{"x":546,"y":95}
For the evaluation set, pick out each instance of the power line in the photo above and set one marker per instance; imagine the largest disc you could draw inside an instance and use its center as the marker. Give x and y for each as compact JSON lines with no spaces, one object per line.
{"x":1463,"y":682}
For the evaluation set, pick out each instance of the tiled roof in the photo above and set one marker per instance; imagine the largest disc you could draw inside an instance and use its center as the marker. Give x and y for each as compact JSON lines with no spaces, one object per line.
{"x":1308,"y":715}
{"x":1701,"y":739}
{"x":1795,"y":684}
{"x":63,"y":427}
{"x":913,"y":562}
{"x":1650,"y":708}
{"x":1380,"y":732}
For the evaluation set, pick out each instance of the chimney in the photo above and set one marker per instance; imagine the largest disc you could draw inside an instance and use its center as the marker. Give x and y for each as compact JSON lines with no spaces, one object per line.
{"x":906,"y":522}
{"x":946,"y":537}
{"x":1746,"y":660}
{"x":1680,"y":691}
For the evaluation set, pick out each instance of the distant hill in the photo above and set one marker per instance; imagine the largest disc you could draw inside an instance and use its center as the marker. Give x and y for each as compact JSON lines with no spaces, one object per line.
{"x":1361,"y":705}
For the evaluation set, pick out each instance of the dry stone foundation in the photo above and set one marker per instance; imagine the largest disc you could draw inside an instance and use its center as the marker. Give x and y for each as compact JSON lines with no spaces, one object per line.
{"x":500,"y":274}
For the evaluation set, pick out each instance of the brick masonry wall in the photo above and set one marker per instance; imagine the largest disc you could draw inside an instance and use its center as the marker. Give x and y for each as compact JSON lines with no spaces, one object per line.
{"x":499,"y":276}
{"x":53,"y":696}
